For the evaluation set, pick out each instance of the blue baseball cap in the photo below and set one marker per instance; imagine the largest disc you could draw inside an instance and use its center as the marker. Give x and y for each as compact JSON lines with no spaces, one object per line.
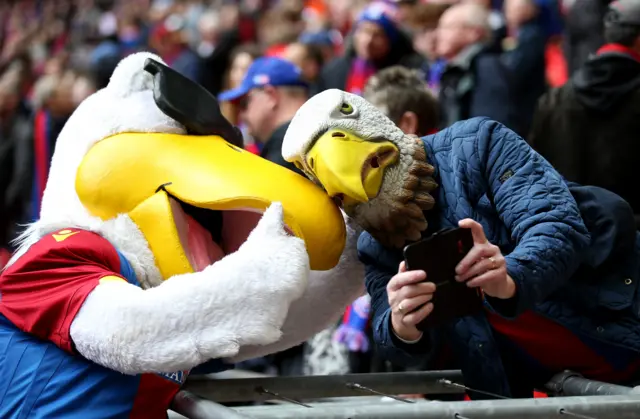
{"x":382,"y":14}
{"x":266,"y":71}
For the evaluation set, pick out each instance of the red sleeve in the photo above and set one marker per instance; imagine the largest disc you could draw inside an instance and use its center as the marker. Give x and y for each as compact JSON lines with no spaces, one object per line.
{"x":42,"y":292}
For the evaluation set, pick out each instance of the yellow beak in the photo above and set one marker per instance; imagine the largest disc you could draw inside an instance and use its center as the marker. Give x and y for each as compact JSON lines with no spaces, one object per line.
{"x":349,"y":167}
{"x":122,"y":174}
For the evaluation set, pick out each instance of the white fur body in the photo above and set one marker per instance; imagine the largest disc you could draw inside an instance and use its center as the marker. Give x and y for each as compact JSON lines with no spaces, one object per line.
{"x":232,"y":309}
{"x":323,"y":302}
{"x":188,"y":319}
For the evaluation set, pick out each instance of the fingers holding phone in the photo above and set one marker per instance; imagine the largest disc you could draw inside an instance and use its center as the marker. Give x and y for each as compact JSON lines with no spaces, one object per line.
{"x":484,"y":266}
{"x":409,"y":298}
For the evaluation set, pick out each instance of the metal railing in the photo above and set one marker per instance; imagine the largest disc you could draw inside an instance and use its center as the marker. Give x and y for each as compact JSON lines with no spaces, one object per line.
{"x":302,"y":397}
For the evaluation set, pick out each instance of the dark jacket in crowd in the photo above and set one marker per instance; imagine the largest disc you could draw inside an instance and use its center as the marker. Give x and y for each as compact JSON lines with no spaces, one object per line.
{"x":570,"y":249}
{"x":584,"y":31}
{"x":588,"y":128}
{"x":16,"y":156}
{"x":335,"y":73}
{"x":272,"y":149}
{"x":526,"y":65}
{"x":477,"y":83}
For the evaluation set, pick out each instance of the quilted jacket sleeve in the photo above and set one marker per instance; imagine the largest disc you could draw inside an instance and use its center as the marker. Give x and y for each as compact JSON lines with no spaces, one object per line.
{"x":536,"y":206}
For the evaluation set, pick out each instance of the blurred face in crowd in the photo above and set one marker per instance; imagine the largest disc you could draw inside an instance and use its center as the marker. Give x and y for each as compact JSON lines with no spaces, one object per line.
{"x":519,"y":12}
{"x":404,"y":10}
{"x":239,"y":68}
{"x":425,"y":43}
{"x":456,"y":32}
{"x":257,"y":110}
{"x":82,"y":89}
{"x":371,"y":42}
{"x":298,"y":54}
{"x":61,"y":102}
{"x":9,"y":97}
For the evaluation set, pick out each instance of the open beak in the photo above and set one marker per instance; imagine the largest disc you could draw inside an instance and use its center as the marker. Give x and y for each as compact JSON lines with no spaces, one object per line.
{"x":350,"y":168}
{"x":123,"y":172}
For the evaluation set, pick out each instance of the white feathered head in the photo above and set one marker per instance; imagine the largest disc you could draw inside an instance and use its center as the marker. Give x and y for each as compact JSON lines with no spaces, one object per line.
{"x":379,"y":175}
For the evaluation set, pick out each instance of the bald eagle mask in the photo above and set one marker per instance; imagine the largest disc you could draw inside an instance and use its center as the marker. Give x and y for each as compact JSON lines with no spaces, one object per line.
{"x":376,"y":173}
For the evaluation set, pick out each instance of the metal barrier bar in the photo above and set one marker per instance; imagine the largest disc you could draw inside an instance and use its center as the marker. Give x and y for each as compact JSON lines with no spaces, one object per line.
{"x":193,"y":407}
{"x":570,"y":383}
{"x":600,"y":407}
{"x":317,"y":387}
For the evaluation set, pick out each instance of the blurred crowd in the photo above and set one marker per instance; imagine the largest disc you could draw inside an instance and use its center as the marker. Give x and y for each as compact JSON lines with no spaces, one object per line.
{"x":551,"y":70}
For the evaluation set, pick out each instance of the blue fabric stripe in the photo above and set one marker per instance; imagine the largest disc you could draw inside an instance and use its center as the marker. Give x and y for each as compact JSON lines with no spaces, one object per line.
{"x":126,"y":271}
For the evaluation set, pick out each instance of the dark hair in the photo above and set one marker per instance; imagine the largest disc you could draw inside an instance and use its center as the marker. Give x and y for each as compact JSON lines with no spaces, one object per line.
{"x":397,"y":90}
{"x":253,"y":50}
{"x":315,"y":53}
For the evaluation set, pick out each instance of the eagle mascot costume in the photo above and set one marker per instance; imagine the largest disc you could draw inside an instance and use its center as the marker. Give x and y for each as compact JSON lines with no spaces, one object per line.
{"x":162,"y":249}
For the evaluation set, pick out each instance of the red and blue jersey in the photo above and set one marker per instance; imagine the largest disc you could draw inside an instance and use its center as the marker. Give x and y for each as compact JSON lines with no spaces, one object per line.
{"x":43,"y":375}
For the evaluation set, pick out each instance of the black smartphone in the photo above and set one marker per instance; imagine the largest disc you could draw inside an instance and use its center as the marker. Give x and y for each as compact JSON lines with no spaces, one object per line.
{"x":438,"y":255}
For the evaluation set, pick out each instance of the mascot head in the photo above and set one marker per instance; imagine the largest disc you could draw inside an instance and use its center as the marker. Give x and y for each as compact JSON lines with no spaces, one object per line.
{"x":379,"y":175}
{"x":151,"y":156}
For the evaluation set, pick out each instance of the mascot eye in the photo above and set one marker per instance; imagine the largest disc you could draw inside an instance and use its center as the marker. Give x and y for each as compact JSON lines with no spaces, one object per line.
{"x":346,"y":109}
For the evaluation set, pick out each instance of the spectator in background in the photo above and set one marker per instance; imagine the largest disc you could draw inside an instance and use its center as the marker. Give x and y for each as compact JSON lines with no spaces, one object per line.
{"x":584,"y":31}
{"x":588,"y":128}
{"x":403,"y":97}
{"x":169,"y":41}
{"x":328,"y":41}
{"x":270,"y":94}
{"x":377,"y":43}
{"x":278,"y":28}
{"x":475,"y":82}
{"x":496,"y":21}
{"x":239,"y":62}
{"x":83,"y":87}
{"x":526,"y":59}
{"x":108,"y":53}
{"x":308,"y":57}
{"x":16,"y":133}
{"x":220,"y":33}
{"x":423,"y":24}
{"x":53,"y":104}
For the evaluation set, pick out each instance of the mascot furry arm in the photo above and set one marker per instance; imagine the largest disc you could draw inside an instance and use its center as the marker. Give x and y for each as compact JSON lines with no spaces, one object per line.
{"x":160,"y":247}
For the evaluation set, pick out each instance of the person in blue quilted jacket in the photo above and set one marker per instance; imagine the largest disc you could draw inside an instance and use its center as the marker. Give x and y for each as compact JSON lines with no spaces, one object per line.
{"x":558,"y":263}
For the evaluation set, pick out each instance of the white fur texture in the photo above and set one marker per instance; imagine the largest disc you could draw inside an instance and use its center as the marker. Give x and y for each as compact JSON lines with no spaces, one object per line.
{"x":324,"y":301}
{"x":239,"y":301}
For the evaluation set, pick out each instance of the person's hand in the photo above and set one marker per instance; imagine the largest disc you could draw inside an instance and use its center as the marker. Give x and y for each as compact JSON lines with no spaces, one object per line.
{"x":406,"y":292}
{"x":484,"y":266}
